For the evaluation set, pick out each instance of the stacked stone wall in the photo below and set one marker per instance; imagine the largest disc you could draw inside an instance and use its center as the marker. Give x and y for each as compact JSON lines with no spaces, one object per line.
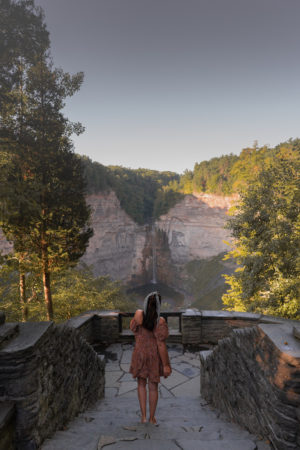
{"x":257,"y":385}
{"x":51,"y":378}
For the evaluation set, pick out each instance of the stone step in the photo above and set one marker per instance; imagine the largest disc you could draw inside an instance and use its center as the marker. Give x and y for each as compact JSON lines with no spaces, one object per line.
{"x":186,"y":423}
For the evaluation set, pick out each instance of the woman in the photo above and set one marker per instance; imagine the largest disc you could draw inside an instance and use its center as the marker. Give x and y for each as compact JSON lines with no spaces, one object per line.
{"x":150,"y":357}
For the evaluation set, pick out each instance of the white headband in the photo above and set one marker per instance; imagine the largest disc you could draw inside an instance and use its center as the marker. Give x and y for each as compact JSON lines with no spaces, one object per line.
{"x":157,"y":304}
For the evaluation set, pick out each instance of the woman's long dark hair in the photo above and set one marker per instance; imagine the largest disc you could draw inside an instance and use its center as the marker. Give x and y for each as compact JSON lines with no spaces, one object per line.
{"x":151,"y":315}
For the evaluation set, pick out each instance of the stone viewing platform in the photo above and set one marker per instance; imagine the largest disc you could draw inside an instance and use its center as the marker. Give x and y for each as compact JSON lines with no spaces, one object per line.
{"x":185,"y":419}
{"x":235,"y":384}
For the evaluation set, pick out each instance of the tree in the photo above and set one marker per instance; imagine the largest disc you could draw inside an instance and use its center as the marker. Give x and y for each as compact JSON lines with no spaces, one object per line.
{"x":75,"y":290}
{"x":266,"y":231}
{"x":44,"y":212}
{"x":23,"y":38}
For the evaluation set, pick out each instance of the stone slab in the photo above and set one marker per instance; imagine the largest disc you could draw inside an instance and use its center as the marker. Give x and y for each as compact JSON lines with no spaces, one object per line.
{"x":282,"y":336}
{"x":125,"y":367}
{"x":29,"y":335}
{"x":130,"y":394}
{"x":246,"y":315}
{"x":78,"y":321}
{"x":110,"y":416}
{"x":217,"y":315}
{"x":110,"y":392}
{"x":127,"y":386}
{"x":145,"y":444}
{"x":191,"y":312}
{"x":7,"y":331}
{"x":164,"y":392}
{"x":187,"y":444}
{"x":109,"y":367}
{"x":190,"y":388}
{"x":173,"y":380}
{"x":126,"y":357}
{"x":111,"y":378}
{"x":126,"y":377}
{"x":186,"y":369}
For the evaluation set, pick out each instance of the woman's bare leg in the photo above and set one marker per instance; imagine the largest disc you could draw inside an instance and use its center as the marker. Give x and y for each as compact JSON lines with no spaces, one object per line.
{"x":142,"y":394}
{"x":153,"y":398}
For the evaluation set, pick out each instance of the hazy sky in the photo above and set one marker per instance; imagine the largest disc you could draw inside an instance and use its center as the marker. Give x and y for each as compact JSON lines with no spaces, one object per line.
{"x":172,"y":82}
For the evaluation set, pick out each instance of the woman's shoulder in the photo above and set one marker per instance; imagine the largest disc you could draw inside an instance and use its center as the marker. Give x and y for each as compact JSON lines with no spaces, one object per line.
{"x":162,"y":320}
{"x":138,"y":315}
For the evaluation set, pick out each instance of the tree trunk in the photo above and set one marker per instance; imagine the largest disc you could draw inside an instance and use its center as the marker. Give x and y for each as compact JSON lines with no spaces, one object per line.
{"x":23,"y":298}
{"x":46,"y":284}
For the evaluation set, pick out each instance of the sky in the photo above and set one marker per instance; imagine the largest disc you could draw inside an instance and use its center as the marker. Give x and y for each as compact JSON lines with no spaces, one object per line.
{"x":169,"y":83}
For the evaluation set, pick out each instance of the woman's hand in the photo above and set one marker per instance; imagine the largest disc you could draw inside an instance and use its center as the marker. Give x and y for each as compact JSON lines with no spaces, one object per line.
{"x":167,"y":371}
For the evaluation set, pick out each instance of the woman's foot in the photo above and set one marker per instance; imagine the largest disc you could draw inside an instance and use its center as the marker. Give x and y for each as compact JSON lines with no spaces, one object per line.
{"x":153,"y":421}
{"x":143,"y":420}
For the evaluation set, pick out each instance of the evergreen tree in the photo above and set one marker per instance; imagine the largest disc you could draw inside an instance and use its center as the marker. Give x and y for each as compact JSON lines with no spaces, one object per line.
{"x":44,"y":212}
{"x":23,"y":38}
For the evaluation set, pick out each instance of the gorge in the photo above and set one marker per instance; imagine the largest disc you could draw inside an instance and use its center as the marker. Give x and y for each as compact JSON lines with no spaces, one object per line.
{"x":189,"y":239}
{"x":181,"y":250}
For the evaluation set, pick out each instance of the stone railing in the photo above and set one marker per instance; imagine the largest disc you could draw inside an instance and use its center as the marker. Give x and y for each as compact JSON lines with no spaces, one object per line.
{"x":253,"y":376}
{"x":192,"y":327}
{"x":49,"y":373}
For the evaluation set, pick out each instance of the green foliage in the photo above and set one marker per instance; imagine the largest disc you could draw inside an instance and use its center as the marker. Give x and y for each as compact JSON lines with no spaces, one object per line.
{"x":205,"y":281}
{"x":166,"y":198}
{"x":230,"y":174}
{"x":137,"y":189}
{"x":266,"y":229}
{"x":74,"y":291}
{"x":214,"y":175}
{"x":42,"y":197}
{"x":147,"y":194}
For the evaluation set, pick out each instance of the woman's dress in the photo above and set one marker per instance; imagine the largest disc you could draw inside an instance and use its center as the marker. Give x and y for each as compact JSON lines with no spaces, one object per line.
{"x":145,"y":360}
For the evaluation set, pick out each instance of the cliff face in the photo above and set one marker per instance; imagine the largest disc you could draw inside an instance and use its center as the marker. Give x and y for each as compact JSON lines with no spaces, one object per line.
{"x":195,"y":227}
{"x":118,"y":246}
{"x":194,"y":230}
{"x":191,"y":230}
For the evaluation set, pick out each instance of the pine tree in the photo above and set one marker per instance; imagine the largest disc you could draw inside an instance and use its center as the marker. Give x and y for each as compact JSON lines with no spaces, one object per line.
{"x":44,"y":212}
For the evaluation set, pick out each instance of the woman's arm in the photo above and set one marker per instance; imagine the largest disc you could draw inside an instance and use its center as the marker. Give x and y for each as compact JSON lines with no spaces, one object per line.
{"x":138,"y":316}
{"x":163,"y":353}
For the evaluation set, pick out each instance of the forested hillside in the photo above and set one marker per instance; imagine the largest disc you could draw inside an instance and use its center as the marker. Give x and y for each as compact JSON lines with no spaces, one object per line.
{"x":145,"y":193}
{"x":139,"y":191}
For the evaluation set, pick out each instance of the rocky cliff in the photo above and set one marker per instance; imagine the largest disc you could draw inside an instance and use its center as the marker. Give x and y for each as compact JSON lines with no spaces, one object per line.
{"x":195,"y":227}
{"x":117,"y":247}
{"x":191,"y":231}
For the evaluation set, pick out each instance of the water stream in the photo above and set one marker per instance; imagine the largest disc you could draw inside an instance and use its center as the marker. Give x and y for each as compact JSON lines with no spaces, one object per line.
{"x":154,"y":280}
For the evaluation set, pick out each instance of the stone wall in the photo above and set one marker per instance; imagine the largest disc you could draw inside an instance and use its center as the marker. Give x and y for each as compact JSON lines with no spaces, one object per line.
{"x":7,"y":425}
{"x":52,"y":374}
{"x":97,"y":326}
{"x":208,"y":327}
{"x":254,"y":377}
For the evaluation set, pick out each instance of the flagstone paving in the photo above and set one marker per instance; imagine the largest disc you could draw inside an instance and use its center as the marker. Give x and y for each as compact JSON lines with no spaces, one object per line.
{"x":185,"y":420}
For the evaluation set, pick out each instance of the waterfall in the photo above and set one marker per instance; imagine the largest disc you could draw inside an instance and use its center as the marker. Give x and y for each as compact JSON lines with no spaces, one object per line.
{"x":153,"y":281}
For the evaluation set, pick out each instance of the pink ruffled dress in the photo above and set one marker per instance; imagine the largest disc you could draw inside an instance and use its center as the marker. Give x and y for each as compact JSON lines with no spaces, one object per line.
{"x":145,"y":359}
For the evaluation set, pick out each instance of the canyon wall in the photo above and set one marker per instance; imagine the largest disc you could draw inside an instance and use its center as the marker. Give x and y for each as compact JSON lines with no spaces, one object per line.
{"x":194,"y":232}
{"x":191,"y":230}
{"x":195,"y":227}
{"x":117,"y":247}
